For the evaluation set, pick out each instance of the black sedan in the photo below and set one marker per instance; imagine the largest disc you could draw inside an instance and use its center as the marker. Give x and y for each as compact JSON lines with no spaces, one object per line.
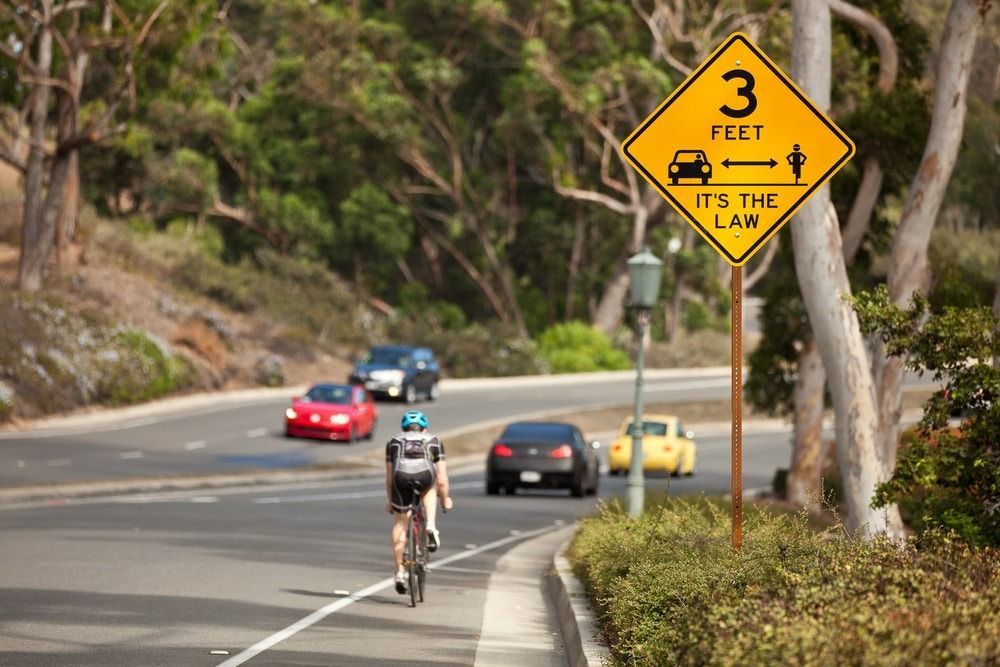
{"x":542,"y":455}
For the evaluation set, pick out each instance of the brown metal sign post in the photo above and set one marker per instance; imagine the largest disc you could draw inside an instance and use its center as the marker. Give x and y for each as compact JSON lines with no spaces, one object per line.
{"x":737,"y":467}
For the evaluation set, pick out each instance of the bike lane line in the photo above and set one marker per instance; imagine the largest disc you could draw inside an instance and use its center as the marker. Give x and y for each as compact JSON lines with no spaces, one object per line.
{"x":321,"y":613}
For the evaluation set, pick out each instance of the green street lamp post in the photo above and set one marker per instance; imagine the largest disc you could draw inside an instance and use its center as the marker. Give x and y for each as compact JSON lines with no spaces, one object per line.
{"x":644,"y":271}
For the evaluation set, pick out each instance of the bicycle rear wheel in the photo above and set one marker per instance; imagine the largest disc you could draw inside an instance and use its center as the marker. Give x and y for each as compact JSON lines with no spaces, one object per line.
{"x":422,"y":559}
{"x":412,"y":566}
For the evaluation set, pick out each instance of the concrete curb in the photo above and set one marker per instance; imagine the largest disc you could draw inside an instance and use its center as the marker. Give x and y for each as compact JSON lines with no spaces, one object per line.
{"x":577,"y":622}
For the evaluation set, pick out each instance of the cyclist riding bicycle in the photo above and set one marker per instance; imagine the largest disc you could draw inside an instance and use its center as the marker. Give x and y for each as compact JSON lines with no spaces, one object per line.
{"x":414,"y":457}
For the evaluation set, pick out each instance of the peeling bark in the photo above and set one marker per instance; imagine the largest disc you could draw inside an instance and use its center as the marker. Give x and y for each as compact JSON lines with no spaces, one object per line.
{"x":909,"y":269}
{"x":805,"y":473}
{"x":822,"y":274}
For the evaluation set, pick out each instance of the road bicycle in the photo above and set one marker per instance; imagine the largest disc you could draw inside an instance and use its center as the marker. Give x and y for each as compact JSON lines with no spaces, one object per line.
{"x":416,"y":558}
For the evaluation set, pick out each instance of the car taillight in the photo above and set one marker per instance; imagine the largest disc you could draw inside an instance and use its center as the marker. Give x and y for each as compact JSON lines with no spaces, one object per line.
{"x":502,"y":450}
{"x":562,"y":452}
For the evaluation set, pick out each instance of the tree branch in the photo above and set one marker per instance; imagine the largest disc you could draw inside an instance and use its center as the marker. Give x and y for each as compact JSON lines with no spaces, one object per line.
{"x":888,"y":55}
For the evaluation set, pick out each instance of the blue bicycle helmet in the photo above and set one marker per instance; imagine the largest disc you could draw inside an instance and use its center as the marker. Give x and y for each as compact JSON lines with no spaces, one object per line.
{"x":413,"y":417}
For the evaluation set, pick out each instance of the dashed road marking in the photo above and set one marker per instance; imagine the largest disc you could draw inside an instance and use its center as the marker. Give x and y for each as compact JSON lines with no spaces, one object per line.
{"x":256,"y":433}
{"x":59,"y":462}
{"x":131,"y":455}
{"x":195,"y":444}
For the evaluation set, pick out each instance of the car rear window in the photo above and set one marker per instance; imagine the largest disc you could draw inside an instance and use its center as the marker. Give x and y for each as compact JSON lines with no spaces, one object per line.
{"x":329,"y":394}
{"x":650,"y":428}
{"x":534,"y":431}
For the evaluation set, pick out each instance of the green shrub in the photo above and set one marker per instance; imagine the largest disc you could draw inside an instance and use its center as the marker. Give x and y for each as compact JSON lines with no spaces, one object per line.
{"x":477,"y":350}
{"x":670,"y":591}
{"x":55,"y":359}
{"x":576,"y":347}
{"x":944,"y":477}
{"x":7,"y":397}
{"x":134,"y":368}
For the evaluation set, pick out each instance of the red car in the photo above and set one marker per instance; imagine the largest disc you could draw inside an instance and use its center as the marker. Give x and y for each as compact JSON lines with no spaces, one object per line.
{"x":332,"y":412}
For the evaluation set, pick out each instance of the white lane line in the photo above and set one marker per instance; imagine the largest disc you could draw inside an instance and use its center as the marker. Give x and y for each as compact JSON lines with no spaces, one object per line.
{"x":347,"y":495}
{"x":320,"y":614}
{"x":256,"y":433}
{"x":59,"y":462}
{"x":21,"y":463}
{"x":195,"y":444}
{"x":131,"y":455}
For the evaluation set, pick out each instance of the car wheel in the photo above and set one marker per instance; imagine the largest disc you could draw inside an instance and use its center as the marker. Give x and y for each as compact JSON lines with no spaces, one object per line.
{"x":595,"y":483}
{"x":410,"y":394}
{"x":352,"y":436}
{"x":434,"y":392}
{"x":492,"y":488}
{"x":371,"y":433}
{"x":576,"y":489}
{"x":510,"y":489}
{"x":690,"y":470}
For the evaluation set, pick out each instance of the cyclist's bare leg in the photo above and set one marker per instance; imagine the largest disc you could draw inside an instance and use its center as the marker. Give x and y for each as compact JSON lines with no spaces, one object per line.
{"x":399,"y":538}
{"x":430,"y":508}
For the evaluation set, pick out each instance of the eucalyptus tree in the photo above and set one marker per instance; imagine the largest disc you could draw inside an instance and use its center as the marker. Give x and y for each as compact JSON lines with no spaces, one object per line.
{"x":50,"y":47}
{"x":421,"y":81}
{"x":591,"y":72}
{"x":909,"y":268}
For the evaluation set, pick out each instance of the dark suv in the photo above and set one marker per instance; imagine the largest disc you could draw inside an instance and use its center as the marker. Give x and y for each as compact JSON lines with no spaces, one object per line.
{"x":398,"y":371}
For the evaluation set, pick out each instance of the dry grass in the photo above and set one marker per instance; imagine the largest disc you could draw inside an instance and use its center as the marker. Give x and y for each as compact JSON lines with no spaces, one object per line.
{"x":195,"y":335}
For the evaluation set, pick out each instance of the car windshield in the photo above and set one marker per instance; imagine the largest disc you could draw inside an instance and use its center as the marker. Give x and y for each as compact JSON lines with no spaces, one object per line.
{"x":530,"y":431}
{"x":649,"y":428}
{"x":329,"y":393}
{"x":387,"y":357}
{"x":688,"y":156}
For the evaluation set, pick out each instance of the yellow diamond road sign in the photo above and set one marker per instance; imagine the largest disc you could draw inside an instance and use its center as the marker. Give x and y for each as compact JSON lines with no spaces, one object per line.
{"x":737,"y":149}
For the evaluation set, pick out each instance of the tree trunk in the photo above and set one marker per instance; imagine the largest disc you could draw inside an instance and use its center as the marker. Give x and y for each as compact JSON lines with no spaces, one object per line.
{"x":66,"y":227}
{"x":996,"y":310}
{"x":575,"y":260}
{"x":611,"y":308}
{"x":909,"y":269}
{"x":861,"y":210}
{"x":610,"y":311}
{"x":822,"y":275}
{"x":805,"y":473}
{"x":34,"y":244}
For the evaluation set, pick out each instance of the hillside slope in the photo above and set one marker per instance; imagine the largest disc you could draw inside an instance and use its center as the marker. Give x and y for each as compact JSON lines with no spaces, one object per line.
{"x":119,"y":329}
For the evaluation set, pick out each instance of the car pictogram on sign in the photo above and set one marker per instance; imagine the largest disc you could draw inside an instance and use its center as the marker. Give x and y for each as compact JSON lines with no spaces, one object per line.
{"x":689,"y":164}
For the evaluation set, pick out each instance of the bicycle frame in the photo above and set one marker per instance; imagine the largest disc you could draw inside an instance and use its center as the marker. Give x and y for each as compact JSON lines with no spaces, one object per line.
{"x":416,"y":557}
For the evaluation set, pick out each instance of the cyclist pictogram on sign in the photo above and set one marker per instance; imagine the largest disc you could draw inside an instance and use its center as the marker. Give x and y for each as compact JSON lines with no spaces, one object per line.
{"x":737,"y":149}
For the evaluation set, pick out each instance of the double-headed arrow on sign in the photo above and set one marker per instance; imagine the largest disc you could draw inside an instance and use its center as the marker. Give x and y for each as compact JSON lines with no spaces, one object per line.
{"x":772,"y":163}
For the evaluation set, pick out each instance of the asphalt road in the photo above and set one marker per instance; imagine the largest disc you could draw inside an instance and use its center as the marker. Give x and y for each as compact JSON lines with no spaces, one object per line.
{"x":167,"y":579}
{"x":293,"y":575}
{"x":250,"y":435}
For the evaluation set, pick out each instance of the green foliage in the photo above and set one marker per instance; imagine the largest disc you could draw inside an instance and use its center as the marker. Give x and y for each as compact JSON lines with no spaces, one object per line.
{"x":576,"y":347}
{"x":134,"y":367}
{"x":53,"y":359}
{"x":945,"y":477}
{"x":479,"y":350}
{"x":670,"y":591}
{"x":964,"y":265}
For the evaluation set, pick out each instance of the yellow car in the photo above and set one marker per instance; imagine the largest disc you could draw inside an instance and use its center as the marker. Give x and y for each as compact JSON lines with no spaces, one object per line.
{"x":666,"y":446}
